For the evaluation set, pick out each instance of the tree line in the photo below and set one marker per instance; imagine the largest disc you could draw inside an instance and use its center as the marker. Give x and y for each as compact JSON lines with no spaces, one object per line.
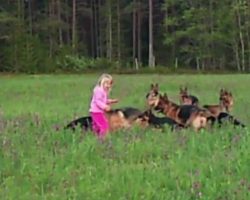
{"x":51,"y":35}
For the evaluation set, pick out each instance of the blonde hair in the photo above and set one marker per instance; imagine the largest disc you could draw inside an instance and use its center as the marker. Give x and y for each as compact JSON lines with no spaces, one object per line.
{"x":103,"y":78}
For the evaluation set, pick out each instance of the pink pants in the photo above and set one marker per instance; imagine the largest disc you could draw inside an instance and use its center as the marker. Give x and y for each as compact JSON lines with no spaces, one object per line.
{"x":100,"y":124}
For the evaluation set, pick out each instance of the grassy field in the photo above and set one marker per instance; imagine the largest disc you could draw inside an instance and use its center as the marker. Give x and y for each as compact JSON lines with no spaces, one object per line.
{"x":39,"y":162}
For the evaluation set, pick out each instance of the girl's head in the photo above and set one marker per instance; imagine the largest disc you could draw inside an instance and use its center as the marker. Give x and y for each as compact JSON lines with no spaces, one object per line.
{"x":105,"y":81}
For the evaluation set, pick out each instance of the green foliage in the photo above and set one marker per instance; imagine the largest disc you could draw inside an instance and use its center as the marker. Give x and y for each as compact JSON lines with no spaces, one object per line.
{"x":26,"y":54}
{"x":79,"y":63}
{"x":206,"y":31}
{"x":207,"y":35}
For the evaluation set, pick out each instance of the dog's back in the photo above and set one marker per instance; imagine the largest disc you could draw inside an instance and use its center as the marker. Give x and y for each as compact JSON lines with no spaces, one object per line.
{"x":130,"y":113}
{"x":185,"y":112}
{"x":194,"y":116}
{"x":84,"y":122}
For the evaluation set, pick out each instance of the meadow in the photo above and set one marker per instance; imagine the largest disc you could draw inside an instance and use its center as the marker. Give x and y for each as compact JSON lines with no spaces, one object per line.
{"x":41,"y":160}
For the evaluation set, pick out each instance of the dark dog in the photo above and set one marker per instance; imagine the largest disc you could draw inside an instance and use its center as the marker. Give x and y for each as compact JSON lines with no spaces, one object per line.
{"x":223,"y":118}
{"x":227,"y":118}
{"x":160,"y":122}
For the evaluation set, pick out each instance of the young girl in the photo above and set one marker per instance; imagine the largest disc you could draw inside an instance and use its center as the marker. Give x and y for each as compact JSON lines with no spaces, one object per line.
{"x":100,"y":104}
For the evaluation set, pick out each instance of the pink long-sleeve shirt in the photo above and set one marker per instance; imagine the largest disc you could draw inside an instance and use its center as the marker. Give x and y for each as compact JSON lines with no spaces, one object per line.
{"x":99,"y":100}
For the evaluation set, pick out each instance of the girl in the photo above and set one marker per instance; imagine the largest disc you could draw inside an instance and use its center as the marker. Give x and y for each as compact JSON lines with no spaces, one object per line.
{"x":100,"y":104}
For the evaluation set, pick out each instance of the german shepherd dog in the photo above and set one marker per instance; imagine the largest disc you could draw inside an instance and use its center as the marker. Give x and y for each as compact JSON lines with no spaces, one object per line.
{"x":220,"y":113}
{"x":153,"y":95}
{"x":186,"y":99}
{"x":122,"y":118}
{"x":159,"y":122}
{"x":186,"y":115}
{"x":225,"y":104}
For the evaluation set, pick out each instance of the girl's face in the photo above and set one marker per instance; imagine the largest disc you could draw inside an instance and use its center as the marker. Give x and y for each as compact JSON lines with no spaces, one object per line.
{"x":107,"y":85}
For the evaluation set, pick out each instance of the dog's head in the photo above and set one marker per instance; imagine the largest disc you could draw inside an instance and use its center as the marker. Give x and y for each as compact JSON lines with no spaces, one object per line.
{"x":226,"y":99}
{"x":142,"y":120}
{"x":153,"y":95}
{"x":162,"y":103}
{"x":184,"y":97}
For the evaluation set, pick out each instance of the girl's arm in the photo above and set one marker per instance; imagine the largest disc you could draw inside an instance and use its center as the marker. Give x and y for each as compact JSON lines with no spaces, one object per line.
{"x":111,"y":101}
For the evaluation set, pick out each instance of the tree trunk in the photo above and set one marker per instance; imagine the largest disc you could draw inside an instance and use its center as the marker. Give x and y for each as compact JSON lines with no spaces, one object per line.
{"x":109,"y":32}
{"x":68,"y":23}
{"x":74,"y":26}
{"x":96,"y":29}
{"x":247,"y":16}
{"x":197,"y":63}
{"x":237,"y":57}
{"x":92,"y":29}
{"x":30,"y":17}
{"x":59,"y":20}
{"x":139,"y":34}
{"x":50,"y":31}
{"x":211,"y":24}
{"x":134,"y":30}
{"x":151,"y":55}
{"x":118,"y":34}
{"x":100,"y":32}
{"x":241,"y":39}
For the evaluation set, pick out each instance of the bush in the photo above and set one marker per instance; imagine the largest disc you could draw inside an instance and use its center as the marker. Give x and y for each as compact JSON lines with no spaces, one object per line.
{"x":76,"y":64}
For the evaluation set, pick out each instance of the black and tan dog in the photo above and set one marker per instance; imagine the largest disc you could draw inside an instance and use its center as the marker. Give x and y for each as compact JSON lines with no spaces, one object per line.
{"x":159,"y":122}
{"x":185,"y":115}
{"x":186,"y":99}
{"x":122,"y":118}
{"x":220,"y":112}
{"x":225,"y":103}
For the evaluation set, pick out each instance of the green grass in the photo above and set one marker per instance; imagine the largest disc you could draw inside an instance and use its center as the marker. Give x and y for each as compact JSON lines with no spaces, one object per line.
{"x":39,"y":162}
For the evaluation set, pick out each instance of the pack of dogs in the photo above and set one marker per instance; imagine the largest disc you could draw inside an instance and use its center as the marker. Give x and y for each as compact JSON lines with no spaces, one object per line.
{"x":187,"y":114}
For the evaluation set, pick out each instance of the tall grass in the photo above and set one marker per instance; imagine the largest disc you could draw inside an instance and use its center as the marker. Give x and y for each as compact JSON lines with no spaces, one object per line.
{"x":40,"y":160}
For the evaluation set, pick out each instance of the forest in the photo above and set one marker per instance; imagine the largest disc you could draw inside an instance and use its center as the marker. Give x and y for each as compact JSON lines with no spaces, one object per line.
{"x":76,"y":35}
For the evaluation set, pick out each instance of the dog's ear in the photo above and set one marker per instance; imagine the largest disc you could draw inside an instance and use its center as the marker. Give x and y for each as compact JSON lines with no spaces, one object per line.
{"x":157,"y":86}
{"x":221,"y":91}
{"x":152,"y":86}
{"x":143,"y":116}
{"x":185,"y":89}
{"x":230,"y":94}
{"x":165,"y":96}
{"x":145,"y":113}
{"x":121,"y":114}
{"x":148,"y":112}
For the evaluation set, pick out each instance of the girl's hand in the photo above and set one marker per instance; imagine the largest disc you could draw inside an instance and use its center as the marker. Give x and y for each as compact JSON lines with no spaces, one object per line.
{"x":114,"y":101}
{"x":107,"y":108}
